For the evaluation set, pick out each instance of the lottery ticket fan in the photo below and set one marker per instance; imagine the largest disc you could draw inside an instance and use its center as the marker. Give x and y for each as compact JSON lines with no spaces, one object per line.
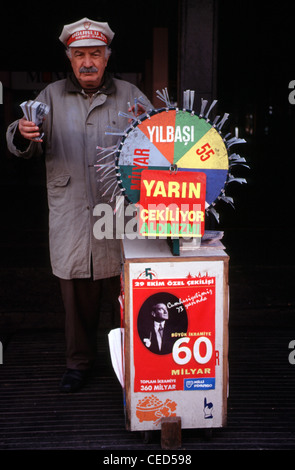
{"x":35,"y":111}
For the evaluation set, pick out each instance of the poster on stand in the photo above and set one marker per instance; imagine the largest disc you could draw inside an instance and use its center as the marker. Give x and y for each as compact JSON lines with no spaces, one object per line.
{"x":176,"y":345}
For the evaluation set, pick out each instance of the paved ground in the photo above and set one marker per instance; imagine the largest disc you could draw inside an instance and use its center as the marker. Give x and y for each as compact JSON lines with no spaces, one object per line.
{"x":35,"y":416}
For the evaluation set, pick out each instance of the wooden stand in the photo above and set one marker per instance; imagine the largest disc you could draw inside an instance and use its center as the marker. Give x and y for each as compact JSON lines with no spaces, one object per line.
{"x":199,"y":402}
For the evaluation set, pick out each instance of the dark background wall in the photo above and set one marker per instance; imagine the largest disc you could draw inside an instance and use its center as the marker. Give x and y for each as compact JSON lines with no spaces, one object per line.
{"x":255,"y":65}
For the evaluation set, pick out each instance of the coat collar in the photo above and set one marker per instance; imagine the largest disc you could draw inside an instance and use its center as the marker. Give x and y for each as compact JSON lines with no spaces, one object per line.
{"x":107,"y":88}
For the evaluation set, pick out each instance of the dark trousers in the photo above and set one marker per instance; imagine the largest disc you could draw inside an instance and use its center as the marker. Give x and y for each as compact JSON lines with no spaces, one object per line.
{"x":82,"y":301}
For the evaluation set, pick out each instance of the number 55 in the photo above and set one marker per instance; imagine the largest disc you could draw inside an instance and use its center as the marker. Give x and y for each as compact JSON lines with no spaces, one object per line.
{"x":204,"y":155}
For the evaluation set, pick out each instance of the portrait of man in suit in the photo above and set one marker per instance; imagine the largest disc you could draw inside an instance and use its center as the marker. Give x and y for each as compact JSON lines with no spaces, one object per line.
{"x":161,"y":317}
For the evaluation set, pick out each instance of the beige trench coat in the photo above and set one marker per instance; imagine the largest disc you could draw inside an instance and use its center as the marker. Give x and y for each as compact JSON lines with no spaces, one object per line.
{"x":73,"y":129}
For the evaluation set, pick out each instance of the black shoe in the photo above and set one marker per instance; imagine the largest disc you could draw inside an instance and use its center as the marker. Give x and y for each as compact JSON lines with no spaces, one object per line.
{"x":73,"y":380}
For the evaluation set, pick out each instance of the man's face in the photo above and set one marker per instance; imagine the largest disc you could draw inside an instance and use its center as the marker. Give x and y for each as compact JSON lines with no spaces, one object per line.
{"x":160,"y":312}
{"x":88,"y":64}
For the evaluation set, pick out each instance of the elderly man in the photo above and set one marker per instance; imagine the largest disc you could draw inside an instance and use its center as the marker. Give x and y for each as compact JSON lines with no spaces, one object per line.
{"x":81,"y":108}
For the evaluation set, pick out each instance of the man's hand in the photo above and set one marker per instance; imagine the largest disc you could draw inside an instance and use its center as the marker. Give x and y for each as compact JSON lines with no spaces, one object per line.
{"x":29,"y":130}
{"x":137,"y":110}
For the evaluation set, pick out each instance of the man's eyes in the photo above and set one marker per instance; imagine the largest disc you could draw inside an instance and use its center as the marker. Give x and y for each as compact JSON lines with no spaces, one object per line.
{"x":95,"y":55}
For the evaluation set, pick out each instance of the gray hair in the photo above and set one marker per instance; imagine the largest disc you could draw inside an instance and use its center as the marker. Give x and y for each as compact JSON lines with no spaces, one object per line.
{"x":108,"y":51}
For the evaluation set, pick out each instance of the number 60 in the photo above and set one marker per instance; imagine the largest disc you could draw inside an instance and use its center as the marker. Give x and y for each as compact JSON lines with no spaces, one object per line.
{"x":178,"y":348}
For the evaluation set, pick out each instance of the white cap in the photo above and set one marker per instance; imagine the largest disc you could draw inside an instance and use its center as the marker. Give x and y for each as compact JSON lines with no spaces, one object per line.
{"x":85,"y":33}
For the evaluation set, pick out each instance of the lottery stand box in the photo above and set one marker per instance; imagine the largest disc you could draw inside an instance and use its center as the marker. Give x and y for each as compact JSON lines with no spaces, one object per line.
{"x":188,"y":378}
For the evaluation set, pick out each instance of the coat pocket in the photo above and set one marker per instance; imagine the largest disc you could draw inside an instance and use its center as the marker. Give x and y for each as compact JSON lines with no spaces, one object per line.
{"x":58,"y":194}
{"x":58,"y":182}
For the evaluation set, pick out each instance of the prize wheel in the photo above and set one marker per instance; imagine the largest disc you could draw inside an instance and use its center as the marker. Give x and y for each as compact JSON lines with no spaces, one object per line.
{"x":175,"y":140}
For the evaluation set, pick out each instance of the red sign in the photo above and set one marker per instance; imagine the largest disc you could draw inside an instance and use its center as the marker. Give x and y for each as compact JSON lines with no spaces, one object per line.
{"x":172,"y":204}
{"x":174,"y":334}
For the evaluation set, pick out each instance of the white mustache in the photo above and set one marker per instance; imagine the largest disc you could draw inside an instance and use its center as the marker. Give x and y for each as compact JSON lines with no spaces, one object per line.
{"x":88,"y":69}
